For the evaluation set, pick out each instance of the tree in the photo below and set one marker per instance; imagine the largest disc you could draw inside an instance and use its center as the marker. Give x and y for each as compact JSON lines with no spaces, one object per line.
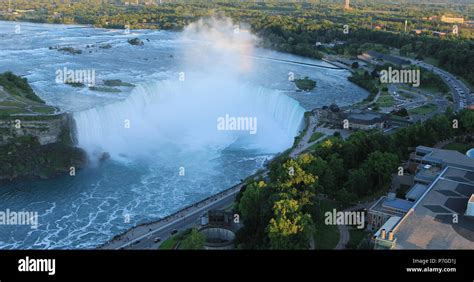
{"x":405,"y":50}
{"x":194,"y":241}
{"x":249,"y":205}
{"x":379,"y":167}
{"x":289,"y":228}
{"x":467,"y":120}
{"x":357,"y":182}
{"x":355,"y":65}
{"x":295,"y":175}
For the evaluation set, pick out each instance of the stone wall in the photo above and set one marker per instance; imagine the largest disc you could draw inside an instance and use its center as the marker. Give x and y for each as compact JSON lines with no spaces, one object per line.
{"x":46,"y":129}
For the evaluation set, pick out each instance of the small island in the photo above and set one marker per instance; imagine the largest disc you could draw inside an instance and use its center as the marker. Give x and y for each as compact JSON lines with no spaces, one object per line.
{"x":135,"y":41}
{"x":105,"y":89}
{"x":305,"y":84}
{"x":117,"y":82}
{"x":110,"y":85}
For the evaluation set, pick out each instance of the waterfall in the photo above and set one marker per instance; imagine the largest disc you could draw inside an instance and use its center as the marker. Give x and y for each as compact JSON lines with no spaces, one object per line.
{"x":180,"y":115}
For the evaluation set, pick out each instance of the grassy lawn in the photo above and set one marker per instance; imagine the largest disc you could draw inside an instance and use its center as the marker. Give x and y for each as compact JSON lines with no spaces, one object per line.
{"x":326,"y":236}
{"x":357,"y":236}
{"x":423,"y":110}
{"x":397,"y":118}
{"x":7,"y":112}
{"x":169,"y":244}
{"x":44,"y":110}
{"x":432,"y":90}
{"x":406,"y":95}
{"x":315,"y":136}
{"x":303,"y":132}
{"x":431,"y":61}
{"x":11,"y":104}
{"x":385,"y":100}
{"x":460,"y":147}
{"x":471,"y":87}
{"x":315,"y":145}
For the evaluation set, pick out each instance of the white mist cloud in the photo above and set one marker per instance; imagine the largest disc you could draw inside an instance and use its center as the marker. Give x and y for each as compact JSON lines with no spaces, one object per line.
{"x":182,"y":115}
{"x":217,"y":45}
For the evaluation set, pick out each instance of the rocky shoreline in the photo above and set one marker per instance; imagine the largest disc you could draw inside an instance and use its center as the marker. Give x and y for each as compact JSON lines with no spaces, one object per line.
{"x":38,"y":147}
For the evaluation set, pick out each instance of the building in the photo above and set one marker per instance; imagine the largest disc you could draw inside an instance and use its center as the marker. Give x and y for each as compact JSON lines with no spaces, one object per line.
{"x":438,"y":220}
{"x":382,"y":240}
{"x":354,"y":119}
{"x":415,"y":192}
{"x":330,"y":114}
{"x":218,"y":238}
{"x":377,"y":58}
{"x":385,"y":208}
{"x":447,"y":19}
{"x":440,"y":158}
{"x":440,"y":208}
{"x":220,"y":218}
{"x":366,"y":120}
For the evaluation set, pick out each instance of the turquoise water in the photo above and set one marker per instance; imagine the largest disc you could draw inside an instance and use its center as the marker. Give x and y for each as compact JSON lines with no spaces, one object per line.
{"x":172,"y":126}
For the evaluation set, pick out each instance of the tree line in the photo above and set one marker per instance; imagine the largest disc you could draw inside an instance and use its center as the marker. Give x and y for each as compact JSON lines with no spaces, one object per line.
{"x":279,"y":212}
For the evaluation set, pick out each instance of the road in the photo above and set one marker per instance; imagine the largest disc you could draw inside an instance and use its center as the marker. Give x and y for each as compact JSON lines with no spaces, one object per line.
{"x":462,"y":95}
{"x":419,"y":99}
{"x":143,"y":236}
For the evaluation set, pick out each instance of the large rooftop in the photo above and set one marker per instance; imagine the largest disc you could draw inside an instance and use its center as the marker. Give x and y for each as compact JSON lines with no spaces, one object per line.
{"x":362,"y":117}
{"x":437,"y":220}
{"x":448,"y":157}
{"x":416,"y":192}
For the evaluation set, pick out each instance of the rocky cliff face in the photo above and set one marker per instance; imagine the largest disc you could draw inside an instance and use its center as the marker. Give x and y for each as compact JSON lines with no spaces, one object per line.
{"x":46,"y":129}
{"x":38,"y":146}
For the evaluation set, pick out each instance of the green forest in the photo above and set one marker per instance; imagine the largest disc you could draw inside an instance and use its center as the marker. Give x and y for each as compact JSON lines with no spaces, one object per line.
{"x":279,"y":212}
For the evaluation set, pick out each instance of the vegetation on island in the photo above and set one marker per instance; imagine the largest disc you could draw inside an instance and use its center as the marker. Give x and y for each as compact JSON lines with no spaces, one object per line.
{"x":105,"y":46}
{"x":135,"y":41}
{"x":70,"y":50}
{"x":105,"y":89}
{"x":117,"y":82}
{"x":305,"y":84}
{"x":75,"y":84}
